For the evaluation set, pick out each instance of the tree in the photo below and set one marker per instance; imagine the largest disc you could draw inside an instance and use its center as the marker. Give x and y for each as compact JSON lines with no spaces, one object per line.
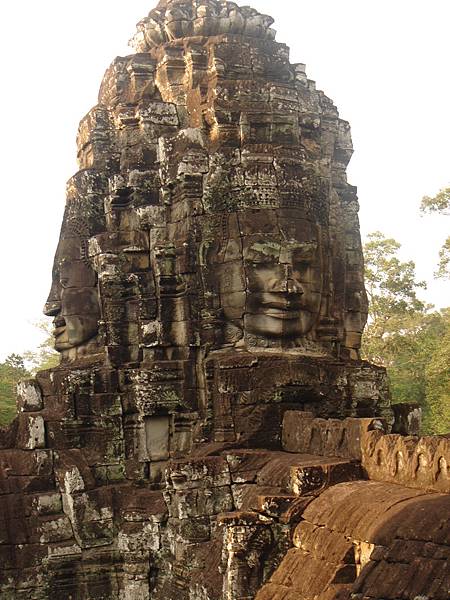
{"x":12,"y":370}
{"x":443,"y":270}
{"x":392,"y":292}
{"x":45,"y":356}
{"x":15,"y":363}
{"x":17,"y":367}
{"x":403,"y":334}
{"x":440,"y":204}
{"x":437,"y":414}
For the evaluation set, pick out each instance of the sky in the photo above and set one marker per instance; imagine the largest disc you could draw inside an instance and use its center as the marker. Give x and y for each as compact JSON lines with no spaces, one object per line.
{"x":383,"y":62}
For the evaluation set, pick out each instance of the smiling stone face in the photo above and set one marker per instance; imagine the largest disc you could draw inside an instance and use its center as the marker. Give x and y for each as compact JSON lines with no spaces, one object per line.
{"x":284,"y":286}
{"x":73,"y":299}
{"x":268,"y":272}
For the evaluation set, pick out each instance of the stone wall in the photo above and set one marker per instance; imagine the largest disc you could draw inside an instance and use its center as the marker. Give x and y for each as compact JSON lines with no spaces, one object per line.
{"x":418,"y":462}
{"x":208,"y":287}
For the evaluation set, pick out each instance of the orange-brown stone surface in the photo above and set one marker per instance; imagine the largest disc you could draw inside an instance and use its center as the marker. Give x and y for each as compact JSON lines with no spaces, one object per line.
{"x":211,"y":432}
{"x":365,"y":540}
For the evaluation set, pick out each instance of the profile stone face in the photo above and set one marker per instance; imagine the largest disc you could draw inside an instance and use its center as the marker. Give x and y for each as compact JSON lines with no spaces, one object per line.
{"x":74,"y":300}
{"x":211,"y":409}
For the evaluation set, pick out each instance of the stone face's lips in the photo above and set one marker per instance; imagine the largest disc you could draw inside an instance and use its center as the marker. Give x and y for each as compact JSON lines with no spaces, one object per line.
{"x":59,"y":326}
{"x":282,"y":314}
{"x":282,"y":301}
{"x":58,"y":331}
{"x":280,"y":306}
{"x":283,"y":305}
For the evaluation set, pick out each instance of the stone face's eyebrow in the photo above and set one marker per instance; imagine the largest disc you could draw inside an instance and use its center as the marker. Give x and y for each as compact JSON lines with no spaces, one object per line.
{"x":275,"y":250}
{"x":267,"y":248}
{"x":304,"y":248}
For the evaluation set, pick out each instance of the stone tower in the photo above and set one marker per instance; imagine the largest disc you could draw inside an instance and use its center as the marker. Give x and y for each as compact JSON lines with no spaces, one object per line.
{"x":208,"y":302}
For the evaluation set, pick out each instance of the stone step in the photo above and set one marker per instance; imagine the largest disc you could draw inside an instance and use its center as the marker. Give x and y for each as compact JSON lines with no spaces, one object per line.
{"x":311,"y":479}
{"x":301,"y":473}
{"x":275,"y":505}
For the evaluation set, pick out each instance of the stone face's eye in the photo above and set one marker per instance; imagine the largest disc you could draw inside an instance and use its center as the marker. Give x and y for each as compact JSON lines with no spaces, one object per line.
{"x":257,"y":257}
{"x":259,"y":260}
{"x":302,"y":264}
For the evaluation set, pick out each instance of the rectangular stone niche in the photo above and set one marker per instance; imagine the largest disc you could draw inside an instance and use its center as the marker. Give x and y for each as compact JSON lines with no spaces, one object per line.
{"x":157,"y":437}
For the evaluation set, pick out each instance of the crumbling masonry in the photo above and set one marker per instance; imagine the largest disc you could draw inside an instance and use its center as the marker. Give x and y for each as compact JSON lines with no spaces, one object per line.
{"x":211,"y":432}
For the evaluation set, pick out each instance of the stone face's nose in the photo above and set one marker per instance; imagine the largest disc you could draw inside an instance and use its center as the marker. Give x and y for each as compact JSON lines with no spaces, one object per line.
{"x":293,"y":286}
{"x":52,"y":308}
{"x":287,"y":284}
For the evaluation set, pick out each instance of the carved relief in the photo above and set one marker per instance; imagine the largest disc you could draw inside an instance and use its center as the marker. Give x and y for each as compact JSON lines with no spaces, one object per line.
{"x":182,"y":19}
{"x":74,"y":299}
{"x":269,"y":283}
{"x":207,"y":287}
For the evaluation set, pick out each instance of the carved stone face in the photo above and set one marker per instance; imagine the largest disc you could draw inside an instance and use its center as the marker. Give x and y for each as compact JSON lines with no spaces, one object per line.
{"x":270,"y":275}
{"x":73,"y":299}
{"x":283,"y":287}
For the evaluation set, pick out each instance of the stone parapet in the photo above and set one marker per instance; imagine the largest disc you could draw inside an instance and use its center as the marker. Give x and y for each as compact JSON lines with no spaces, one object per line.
{"x":302,"y":432}
{"x":417,"y":462}
{"x":412,"y":461}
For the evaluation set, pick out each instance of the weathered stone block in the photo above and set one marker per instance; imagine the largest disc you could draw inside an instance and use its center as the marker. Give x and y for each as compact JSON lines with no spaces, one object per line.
{"x":306,"y":480}
{"x":207,"y":473}
{"x":31,"y":434}
{"x":29,"y":396}
{"x":139,"y":537}
{"x":245,"y":464}
{"x":296,"y":436}
{"x":51,"y":529}
{"x":198,"y":502}
{"x":157,"y":431}
{"x":47,"y":504}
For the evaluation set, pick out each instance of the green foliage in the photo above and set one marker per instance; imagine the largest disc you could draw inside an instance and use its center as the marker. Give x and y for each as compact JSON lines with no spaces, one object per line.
{"x":45,"y":356}
{"x":17,"y":367}
{"x":403,"y":334}
{"x":391,"y":284}
{"x":443,"y":271}
{"x":440,"y":204}
{"x":393,"y":302}
{"x":437,"y":414}
{"x":12,"y":370}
